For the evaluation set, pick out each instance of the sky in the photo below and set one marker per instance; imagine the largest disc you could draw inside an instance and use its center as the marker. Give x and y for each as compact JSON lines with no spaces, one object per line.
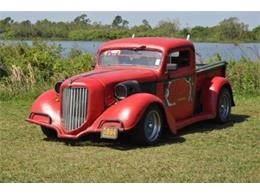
{"x":186,"y":18}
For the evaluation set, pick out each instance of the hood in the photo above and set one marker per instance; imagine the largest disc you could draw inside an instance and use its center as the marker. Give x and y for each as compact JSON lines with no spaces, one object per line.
{"x":100,"y":84}
{"x":115,"y":75}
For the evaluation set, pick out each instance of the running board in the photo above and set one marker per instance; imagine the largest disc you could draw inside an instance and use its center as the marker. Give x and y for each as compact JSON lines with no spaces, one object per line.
{"x":200,"y":117}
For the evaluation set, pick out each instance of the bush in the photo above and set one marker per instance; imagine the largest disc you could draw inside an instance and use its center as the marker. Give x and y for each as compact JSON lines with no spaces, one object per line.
{"x":30,"y":68}
{"x":244,"y":76}
{"x":33,"y":69}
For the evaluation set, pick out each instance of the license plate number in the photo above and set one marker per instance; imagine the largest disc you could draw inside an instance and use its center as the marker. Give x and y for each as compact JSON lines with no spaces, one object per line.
{"x":109,"y":133}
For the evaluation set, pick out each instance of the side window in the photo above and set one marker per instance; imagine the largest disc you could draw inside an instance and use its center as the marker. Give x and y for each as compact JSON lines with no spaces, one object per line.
{"x":181,"y":58}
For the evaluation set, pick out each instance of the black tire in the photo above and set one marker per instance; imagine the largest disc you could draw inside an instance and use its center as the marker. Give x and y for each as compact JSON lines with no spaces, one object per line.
{"x":149,"y":129}
{"x":223,"y":106}
{"x":49,"y":133}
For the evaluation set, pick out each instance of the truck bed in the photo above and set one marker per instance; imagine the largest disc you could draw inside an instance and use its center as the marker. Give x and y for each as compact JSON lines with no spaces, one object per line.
{"x":206,"y":71}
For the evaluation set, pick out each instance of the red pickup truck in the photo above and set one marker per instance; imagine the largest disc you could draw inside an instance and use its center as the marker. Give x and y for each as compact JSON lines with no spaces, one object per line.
{"x":138,"y":85}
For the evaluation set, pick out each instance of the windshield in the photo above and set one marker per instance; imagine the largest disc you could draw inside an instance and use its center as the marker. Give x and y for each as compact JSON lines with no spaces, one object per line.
{"x":130,"y":57}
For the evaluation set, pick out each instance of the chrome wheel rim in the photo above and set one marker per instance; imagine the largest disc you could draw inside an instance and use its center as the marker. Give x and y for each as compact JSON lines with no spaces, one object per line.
{"x":152,"y":125}
{"x":224,"y":106}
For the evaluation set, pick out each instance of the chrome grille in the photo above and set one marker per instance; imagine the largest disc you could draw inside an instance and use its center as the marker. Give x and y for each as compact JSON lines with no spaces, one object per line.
{"x":74,"y":107}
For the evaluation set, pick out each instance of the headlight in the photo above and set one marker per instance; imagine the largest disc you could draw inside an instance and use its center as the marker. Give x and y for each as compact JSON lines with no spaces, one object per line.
{"x":121,"y":91}
{"x":126,"y":88}
{"x":57,"y":86}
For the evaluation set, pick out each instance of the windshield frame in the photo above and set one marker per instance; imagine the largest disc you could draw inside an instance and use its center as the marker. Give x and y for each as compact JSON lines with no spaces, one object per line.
{"x":131,"y":65}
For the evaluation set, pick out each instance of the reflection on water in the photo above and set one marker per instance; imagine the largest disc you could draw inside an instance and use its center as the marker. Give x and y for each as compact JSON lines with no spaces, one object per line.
{"x":205,"y":50}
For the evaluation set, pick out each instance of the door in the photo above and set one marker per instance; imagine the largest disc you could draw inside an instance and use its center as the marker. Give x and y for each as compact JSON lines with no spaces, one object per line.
{"x":179,"y":86}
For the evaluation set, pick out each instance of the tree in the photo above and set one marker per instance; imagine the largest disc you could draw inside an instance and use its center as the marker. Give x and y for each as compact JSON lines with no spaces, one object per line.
{"x":7,"y":21}
{"x":256,"y":29}
{"x":256,"y":32}
{"x":200,"y":32}
{"x":5,"y":24}
{"x":43,"y":28}
{"x":169,"y":27}
{"x":24,"y":29}
{"x":81,"y":28}
{"x":82,"y":19}
{"x":125,"y":24}
{"x":146,"y":24}
{"x":117,"y":21}
{"x":232,"y":29}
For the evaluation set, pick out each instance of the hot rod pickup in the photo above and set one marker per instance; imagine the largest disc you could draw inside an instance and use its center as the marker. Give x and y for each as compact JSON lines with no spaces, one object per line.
{"x":139,"y":85}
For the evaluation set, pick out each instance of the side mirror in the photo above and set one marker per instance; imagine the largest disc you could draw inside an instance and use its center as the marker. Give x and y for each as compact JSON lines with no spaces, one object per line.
{"x":171,"y":67}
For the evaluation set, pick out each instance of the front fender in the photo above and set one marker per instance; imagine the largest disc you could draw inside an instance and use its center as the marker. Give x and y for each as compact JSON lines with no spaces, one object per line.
{"x":129,"y":111}
{"x":210,"y":92}
{"x":47,"y":104}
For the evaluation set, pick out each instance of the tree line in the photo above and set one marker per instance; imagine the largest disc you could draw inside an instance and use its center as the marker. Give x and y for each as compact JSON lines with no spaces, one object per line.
{"x":82,"y":28}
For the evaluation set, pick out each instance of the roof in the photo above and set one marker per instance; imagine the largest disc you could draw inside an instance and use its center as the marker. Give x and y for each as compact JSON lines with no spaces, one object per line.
{"x":159,"y":43}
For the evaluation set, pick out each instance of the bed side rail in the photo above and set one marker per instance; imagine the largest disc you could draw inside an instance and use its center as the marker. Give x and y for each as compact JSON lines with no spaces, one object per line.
{"x":206,"y":67}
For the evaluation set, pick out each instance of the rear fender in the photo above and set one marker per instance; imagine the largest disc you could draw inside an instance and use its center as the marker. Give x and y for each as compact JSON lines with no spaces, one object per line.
{"x":127,"y":113}
{"x":210,"y":92}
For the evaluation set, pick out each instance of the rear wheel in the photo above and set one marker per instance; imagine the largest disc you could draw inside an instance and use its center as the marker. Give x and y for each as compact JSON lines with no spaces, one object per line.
{"x":149,"y":128}
{"x":223,"y":106}
{"x":48,"y":132}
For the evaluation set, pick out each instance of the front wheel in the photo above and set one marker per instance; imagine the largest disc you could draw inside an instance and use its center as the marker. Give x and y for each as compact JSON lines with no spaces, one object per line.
{"x":48,"y":132}
{"x":149,"y":128}
{"x":223,"y":106}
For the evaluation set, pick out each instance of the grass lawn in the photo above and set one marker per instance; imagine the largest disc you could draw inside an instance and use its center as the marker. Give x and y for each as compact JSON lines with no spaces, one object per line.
{"x":203,"y":152}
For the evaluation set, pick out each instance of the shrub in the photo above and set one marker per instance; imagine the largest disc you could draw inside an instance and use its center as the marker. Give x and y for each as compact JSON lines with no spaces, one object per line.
{"x":245,"y":76}
{"x":31,"y":68}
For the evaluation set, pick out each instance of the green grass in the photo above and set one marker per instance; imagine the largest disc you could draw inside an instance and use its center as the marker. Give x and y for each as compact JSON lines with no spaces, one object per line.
{"x":204,"y":152}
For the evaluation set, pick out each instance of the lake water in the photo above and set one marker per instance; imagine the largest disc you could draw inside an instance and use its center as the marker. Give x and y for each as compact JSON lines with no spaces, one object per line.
{"x":205,"y":50}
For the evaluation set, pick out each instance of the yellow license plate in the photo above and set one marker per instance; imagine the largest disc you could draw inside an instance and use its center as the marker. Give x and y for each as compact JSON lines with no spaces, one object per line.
{"x":109,"y":133}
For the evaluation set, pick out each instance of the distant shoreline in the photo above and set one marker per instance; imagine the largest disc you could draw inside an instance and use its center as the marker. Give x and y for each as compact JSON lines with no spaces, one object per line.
{"x":229,"y":30}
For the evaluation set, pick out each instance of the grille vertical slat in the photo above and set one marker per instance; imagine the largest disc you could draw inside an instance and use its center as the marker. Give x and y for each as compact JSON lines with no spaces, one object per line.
{"x":80,"y":100}
{"x":76,"y":110}
{"x":79,"y":119}
{"x":72,"y":110}
{"x":74,"y":107}
{"x":64,"y":108}
{"x":84,"y":106}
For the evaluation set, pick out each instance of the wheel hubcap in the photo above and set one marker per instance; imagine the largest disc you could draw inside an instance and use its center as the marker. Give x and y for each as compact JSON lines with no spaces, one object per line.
{"x":152,"y":125}
{"x":224,"y":106}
